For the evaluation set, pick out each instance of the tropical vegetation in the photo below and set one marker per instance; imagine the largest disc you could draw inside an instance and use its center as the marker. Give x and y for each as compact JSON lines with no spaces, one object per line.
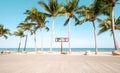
{"x":90,"y":14}
{"x":20,"y":34}
{"x":105,"y":25}
{"x":4,"y":32}
{"x":40,"y":19}
{"x":53,"y":9}
{"x":71,"y":8}
{"x":36,"y":19}
{"x":25,"y":26}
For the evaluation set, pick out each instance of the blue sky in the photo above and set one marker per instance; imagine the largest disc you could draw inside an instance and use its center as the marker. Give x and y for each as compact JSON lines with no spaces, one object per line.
{"x":12,"y":13}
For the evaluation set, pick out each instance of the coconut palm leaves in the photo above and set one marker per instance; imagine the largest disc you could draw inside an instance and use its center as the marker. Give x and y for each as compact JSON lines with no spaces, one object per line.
{"x":108,"y":6}
{"x":53,"y":9}
{"x":106,"y":25}
{"x":25,"y":27}
{"x":90,"y":14}
{"x":117,"y":23}
{"x":70,"y":10}
{"x":38,"y":17}
{"x":21,"y":35}
{"x":4,"y":31}
{"x":113,"y":3}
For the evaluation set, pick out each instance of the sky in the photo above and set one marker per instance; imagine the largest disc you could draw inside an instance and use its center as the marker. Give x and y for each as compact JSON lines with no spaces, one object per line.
{"x":12,"y":13}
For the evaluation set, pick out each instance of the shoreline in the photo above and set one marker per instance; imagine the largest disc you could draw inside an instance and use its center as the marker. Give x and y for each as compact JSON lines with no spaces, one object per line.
{"x":64,"y":49}
{"x":55,"y":53}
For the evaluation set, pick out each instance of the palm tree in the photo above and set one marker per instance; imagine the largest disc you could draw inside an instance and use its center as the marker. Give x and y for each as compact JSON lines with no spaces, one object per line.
{"x":108,"y":8}
{"x":105,"y":25}
{"x":53,"y":8}
{"x":25,"y":27}
{"x":21,"y":35}
{"x":90,"y":13}
{"x":32,"y":17}
{"x":34,"y":33}
{"x":4,"y":31}
{"x":70,"y":10}
{"x":39,"y":18}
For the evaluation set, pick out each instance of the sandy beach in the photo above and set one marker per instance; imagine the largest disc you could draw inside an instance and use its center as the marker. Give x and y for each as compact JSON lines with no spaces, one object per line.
{"x":59,"y":63}
{"x":59,"y":36}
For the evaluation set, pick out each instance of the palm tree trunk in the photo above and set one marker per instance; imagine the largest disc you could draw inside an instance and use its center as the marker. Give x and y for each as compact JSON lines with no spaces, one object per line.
{"x":95,"y":38}
{"x":61,"y":47}
{"x":69,"y":36}
{"x":52,"y":34}
{"x":35,"y":46}
{"x":25,"y":42}
{"x":113,"y":30}
{"x":19,"y":44}
{"x":0,"y":33}
{"x":41,"y":40}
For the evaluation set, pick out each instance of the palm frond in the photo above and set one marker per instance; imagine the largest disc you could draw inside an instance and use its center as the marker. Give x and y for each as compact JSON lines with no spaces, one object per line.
{"x":25,"y":26}
{"x":52,"y":7}
{"x":46,"y":22}
{"x":47,"y":15}
{"x":27,"y":12}
{"x":76,"y":20}
{"x":19,"y":33}
{"x":4,"y":31}
{"x":106,"y":10}
{"x":47,"y":28}
{"x":102,"y":31}
{"x":45,"y":6}
{"x":117,"y":22}
{"x":99,"y":20}
{"x":81,"y":10}
{"x":81,"y":22}
{"x":66,"y":22}
{"x":117,"y":27}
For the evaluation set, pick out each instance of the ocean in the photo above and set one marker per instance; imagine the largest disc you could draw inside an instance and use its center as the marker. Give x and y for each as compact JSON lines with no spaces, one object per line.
{"x":64,"y":49}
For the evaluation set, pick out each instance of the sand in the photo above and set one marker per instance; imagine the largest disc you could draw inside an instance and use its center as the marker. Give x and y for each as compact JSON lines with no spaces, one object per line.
{"x":59,"y":63}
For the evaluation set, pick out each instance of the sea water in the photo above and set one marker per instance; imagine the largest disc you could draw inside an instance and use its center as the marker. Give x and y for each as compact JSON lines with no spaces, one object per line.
{"x":58,"y":49}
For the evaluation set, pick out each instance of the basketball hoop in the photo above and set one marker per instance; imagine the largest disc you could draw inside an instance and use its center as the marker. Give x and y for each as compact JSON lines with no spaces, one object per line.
{"x":62,"y":39}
